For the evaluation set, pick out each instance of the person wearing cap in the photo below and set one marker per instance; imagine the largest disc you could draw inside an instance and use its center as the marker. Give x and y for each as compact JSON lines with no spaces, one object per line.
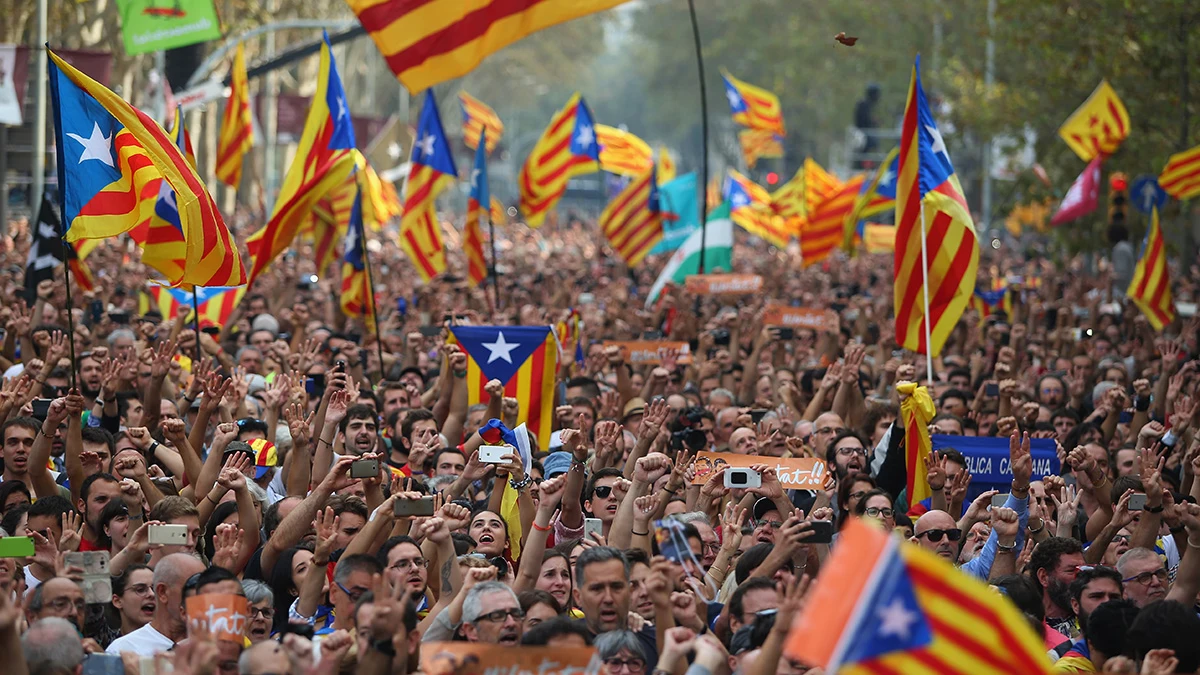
{"x":556,"y":463}
{"x":631,"y":417}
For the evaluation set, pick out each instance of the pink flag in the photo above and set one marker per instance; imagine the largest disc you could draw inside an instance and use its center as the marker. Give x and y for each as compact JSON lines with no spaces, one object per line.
{"x":1083,"y":196}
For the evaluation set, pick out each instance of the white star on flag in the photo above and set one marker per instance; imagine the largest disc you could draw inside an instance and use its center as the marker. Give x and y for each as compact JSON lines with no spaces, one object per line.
{"x":474,"y":178}
{"x":585,"y":136}
{"x":97,"y":146}
{"x":895,"y":619}
{"x":734,"y":99}
{"x":427,"y":146}
{"x":739,"y":200}
{"x":887,"y":177}
{"x":341,"y":102}
{"x":500,"y":350}
{"x":938,"y":146}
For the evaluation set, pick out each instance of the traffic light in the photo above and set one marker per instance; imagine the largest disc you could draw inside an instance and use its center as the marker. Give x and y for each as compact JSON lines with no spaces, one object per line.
{"x":1118,"y":201}
{"x":772,"y":178}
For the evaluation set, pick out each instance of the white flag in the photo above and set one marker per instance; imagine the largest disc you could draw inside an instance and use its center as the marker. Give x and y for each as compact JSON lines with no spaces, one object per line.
{"x":10,"y":108}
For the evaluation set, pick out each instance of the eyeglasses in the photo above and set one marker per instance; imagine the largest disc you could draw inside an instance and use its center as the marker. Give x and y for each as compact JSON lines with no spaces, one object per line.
{"x":636,"y":665}
{"x":267,"y":613}
{"x":773,"y":524}
{"x":140,"y":589}
{"x":875,"y":512}
{"x":355,"y":594}
{"x":1121,"y":538}
{"x":603,"y":491}
{"x":828,"y":430}
{"x":1145,"y":577}
{"x":850,"y":452}
{"x":858,"y":495}
{"x":63,"y":604}
{"x":935,"y":536}
{"x":402,"y":565}
{"x":502,"y":614}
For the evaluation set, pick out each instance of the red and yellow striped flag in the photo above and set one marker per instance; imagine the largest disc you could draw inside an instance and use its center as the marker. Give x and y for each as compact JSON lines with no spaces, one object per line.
{"x":1180,"y":178}
{"x":237,"y":127}
{"x":823,"y":230}
{"x":427,"y":42}
{"x":758,"y":143}
{"x":753,"y":106}
{"x":915,"y":411}
{"x":1150,"y":288}
{"x":795,"y":199}
{"x":931,"y":212}
{"x":1098,"y":126}
{"x":499,"y":215}
{"x":432,"y":170}
{"x":666,"y":166}
{"x":750,"y":207}
{"x":567,"y":148}
{"x":478,"y":116}
{"x":623,"y":153}
{"x":478,"y":202}
{"x":323,"y":162}
{"x":380,"y":203}
{"x":632,"y":221}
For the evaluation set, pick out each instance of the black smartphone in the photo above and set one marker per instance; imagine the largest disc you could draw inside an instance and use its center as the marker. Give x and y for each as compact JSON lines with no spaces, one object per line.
{"x":822,"y":532}
{"x":339,"y":366}
{"x":501,"y":566}
{"x":1051,"y":318}
{"x":41,"y":406}
{"x":119,"y":317}
{"x":304,"y":630}
{"x":786,"y":332}
{"x":310,"y":387}
{"x":430,"y":331}
{"x":992,"y":390}
{"x":317,"y":380}
{"x":1125,"y":417}
{"x":757,"y":414}
{"x":96,"y":308}
{"x":414,"y":507}
{"x":652,"y":335}
{"x":721,"y":337}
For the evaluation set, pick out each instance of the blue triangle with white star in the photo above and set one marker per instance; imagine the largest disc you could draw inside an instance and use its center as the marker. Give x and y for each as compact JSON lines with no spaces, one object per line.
{"x":893,"y":620}
{"x":430,"y":148}
{"x":583,"y":139}
{"x":342,"y":136}
{"x":935,"y":164}
{"x":499,"y":351}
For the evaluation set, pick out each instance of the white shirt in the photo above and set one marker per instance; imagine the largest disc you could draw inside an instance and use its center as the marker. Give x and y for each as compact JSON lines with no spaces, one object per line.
{"x":145,"y":641}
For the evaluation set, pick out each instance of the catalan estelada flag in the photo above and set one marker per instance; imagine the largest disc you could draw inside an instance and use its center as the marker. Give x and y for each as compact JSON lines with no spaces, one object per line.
{"x":752,"y":106}
{"x":237,"y":126}
{"x":1098,"y":126}
{"x":750,"y":207}
{"x":825,"y":227}
{"x":623,"y":153}
{"x":524,"y":358}
{"x":163,"y":247}
{"x":356,"y":297}
{"x":324,"y":160}
{"x":567,"y":148}
{"x":428,"y":42}
{"x":477,"y":118}
{"x":1180,"y":178}
{"x":882,"y":606}
{"x":876,"y":196}
{"x":432,"y":170}
{"x":478,"y":201}
{"x":915,"y":411}
{"x":932,"y":212}
{"x":990,"y":302}
{"x":380,"y":204}
{"x":758,"y":143}
{"x":215,"y":304}
{"x":111,"y":160}
{"x":810,"y":186}
{"x":632,"y":221}
{"x":666,"y":166}
{"x":1150,"y":288}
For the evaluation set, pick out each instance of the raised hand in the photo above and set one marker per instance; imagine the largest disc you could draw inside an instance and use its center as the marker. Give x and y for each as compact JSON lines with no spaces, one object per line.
{"x":650,"y":468}
{"x":326,"y":530}
{"x":72,"y":532}
{"x":1021,"y":461}
{"x":935,"y":471}
{"x":339,"y":403}
{"x":299,"y":425}
{"x":550,"y":493}
{"x":276,"y":392}
{"x":226,"y":542}
{"x":160,"y":362}
{"x":654,"y":417}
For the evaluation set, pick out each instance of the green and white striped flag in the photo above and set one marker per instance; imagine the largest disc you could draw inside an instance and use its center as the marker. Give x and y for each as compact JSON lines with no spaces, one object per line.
{"x":718,"y":253}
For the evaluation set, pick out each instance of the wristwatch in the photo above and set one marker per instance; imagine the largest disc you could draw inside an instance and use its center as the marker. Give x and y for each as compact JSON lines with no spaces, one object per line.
{"x":1001,"y":548}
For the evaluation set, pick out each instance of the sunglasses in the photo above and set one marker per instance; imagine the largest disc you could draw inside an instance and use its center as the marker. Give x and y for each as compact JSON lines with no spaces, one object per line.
{"x":936,"y":535}
{"x":603,"y":491}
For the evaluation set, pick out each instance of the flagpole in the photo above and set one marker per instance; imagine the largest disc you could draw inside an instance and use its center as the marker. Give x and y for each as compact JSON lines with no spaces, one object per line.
{"x":487,"y":208}
{"x":366,"y":254}
{"x":925,"y":291}
{"x":196,"y":323}
{"x":703,"y":191}
{"x":70,"y":314}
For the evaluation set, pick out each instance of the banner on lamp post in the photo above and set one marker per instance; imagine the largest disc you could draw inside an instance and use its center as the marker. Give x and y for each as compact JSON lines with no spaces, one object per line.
{"x":155,"y":25}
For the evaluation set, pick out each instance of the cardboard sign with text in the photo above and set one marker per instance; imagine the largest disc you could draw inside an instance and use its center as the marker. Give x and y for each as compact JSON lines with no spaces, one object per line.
{"x":222,"y":616}
{"x":476,"y":658}
{"x":818,"y":320}
{"x":723,"y":284}
{"x":795,"y":473}
{"x":648,"y":352}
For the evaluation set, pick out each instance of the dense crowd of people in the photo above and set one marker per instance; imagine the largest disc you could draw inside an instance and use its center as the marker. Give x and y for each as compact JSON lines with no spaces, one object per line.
{"x":252,"y":437}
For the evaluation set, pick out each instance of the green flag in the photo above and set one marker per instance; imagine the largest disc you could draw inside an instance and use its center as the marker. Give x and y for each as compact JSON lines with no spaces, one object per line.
{"x":154,"y":25}
{"x":718,"y":252}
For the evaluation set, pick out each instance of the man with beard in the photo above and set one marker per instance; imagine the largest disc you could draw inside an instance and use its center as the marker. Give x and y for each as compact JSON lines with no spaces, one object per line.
{"x":846,"y":452}
{"x":418,"y":428}
{"x":360,"y":429}
{"x":91,"y":377}
{"x":404,"y":564}
{"x":974,"y":542}
{"x":491,"y":614}
{"x":1092,"y":587}
{"x":1053,"y":566}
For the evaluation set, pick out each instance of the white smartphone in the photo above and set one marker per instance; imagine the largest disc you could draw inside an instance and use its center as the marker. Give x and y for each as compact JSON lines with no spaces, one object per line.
{"x":493,"y":454}
{"x":170,"y":535}
{"x":1137,"y":502}
{"x":742,"y":478}
{"x":999,"y":500}
{"x":590,"y":526}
